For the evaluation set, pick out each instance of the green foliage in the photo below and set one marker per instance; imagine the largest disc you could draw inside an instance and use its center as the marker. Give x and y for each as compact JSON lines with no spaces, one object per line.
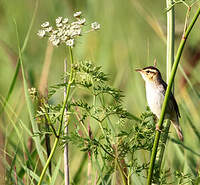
{"x":105,"y":135}
{"x":105,"y":145}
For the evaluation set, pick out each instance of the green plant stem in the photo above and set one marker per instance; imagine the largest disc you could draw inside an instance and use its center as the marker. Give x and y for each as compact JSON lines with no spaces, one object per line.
{"x":50,"y":124}
{"x":162,"y":149}
{"x":124,"y":179}
{"x":49,"y":120}
{"x":169,"y":62}
{"x":66,"y":152}
{"x":82,"y":124}
{"x":174,"y":69}
{"x":170,"y":37}
{"x":48,"y":160}
{"x":61,"y":121}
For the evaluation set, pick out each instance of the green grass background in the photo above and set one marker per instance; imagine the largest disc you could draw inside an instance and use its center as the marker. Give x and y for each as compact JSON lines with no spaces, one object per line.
{"x":132,"y":35}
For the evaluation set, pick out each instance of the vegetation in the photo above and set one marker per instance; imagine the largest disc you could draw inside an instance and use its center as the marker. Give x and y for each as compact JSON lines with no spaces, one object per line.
{"x":73,"y":111}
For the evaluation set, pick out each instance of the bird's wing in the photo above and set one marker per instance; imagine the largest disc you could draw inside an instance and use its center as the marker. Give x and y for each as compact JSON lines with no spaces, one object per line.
{"x":171,"y":96}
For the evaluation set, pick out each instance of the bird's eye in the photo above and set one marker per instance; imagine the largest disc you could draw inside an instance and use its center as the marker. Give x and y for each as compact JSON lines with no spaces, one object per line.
{"x":148,"y":71}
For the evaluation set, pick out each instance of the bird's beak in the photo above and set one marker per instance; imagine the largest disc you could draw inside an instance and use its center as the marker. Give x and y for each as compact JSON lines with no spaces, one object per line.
{"x":138,"y":70}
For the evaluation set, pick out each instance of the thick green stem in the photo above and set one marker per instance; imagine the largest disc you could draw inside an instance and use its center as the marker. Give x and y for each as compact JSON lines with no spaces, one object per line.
{"x":61,"y":121}
{"x":170,"y":37}
{"x":169,"y":62}
{"x":48,"y":160}
{"x":171,"y":79}
{"x":162,"y":147}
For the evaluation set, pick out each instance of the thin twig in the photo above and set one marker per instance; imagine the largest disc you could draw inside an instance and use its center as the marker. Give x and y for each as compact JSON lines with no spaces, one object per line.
{"x":66,"y":156}
{"x":89,"y":174}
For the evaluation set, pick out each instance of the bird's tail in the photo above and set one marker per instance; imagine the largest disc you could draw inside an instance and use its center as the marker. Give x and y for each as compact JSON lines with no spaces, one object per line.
{"x":178,"y":131}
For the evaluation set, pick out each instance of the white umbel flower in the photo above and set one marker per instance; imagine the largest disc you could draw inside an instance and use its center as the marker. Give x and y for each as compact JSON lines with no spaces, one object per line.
{"x":52,"y":38}
{"x":41,"y":33}
{"x":65,"y":20}
{"x":64,"y":38}
{"x":95,"y":26}
{"x":58,"y":20}
{"x":49,"y":29}
{"x":66,"y":31}
{"x":77,"y":14}
{"x":45,"y":25}
{"x":56,"y":42}
{"x":55,"y":32}
{"x":70,"y":42}
{"x":59,"y":25}
{"x":76,"y":33}
{"x":81,"y":21}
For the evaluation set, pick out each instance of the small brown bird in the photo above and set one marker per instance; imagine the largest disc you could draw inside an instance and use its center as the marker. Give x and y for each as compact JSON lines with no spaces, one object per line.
{"x":155,"y":94}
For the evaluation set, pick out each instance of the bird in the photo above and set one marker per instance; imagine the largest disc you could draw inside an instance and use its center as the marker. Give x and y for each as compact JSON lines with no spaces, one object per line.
{"x":155,"y":94}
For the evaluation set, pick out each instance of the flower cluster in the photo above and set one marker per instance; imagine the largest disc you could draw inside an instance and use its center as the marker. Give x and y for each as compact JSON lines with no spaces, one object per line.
{"x":33,"y":93}
{"x":65,"y":31}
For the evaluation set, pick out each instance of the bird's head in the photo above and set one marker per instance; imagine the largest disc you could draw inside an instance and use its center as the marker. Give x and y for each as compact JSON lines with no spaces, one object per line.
{"x":150,"y":74}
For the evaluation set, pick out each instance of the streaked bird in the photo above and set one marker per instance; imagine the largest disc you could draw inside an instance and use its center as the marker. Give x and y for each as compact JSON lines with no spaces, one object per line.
{"x":155,"y":94}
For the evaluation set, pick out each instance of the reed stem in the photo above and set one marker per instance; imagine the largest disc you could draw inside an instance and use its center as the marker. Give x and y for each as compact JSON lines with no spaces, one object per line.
{"x":169,"y":64}
{"x":171,"y":80}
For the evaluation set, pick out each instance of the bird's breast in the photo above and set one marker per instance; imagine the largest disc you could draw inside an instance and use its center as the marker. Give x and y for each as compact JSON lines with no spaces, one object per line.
{"x":155,"y":98}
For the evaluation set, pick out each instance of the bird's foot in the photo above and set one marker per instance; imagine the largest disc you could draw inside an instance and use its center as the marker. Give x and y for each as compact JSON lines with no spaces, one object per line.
{"x":158,"y":128}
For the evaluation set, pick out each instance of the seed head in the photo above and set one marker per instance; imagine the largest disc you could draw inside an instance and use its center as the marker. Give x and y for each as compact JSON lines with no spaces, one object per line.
{"x":33,"y":93}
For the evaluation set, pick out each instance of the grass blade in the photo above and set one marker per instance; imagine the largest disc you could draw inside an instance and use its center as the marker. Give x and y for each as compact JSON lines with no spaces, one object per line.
{"x":34,"y":125}
{"x":184,"y":146}
{"x":18,"y":62}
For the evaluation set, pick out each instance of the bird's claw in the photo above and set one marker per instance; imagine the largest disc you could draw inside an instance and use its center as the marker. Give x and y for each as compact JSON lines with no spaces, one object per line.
{"x":158,"y":128}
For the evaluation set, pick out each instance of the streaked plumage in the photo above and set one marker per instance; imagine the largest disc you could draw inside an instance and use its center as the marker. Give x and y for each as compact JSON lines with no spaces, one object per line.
{"x":155,"y":93}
